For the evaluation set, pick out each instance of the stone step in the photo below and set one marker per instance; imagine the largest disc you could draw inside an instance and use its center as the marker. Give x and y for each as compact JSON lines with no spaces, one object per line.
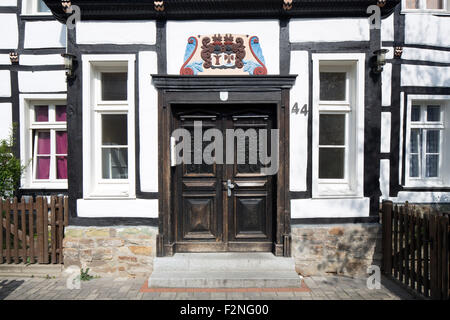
{"x":31,"y":270}
{"x":160,"y":279}
{"x":224,"y":270}
{"x":224,"y":262}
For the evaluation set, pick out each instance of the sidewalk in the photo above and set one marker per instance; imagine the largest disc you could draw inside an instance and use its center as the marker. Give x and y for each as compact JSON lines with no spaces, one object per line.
{"x":318,"y":288}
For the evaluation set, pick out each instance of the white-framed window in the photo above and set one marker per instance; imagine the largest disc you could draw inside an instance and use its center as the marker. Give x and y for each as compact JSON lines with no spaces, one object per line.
{"x":108,"y":126}
{"x":35,"y":7}
{"x":425,"y":5}
{"x":338,"y":125}
{"x":44,"y":144}
{"x":427,"y":152}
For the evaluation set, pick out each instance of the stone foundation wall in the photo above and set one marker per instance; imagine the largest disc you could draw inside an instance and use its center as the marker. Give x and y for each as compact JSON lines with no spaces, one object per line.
{"x":336,"y":248}
{"x":113,"y":251}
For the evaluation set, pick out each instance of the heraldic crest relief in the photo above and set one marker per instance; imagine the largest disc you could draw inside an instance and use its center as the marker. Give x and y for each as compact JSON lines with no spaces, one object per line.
{"x":227,"y":54}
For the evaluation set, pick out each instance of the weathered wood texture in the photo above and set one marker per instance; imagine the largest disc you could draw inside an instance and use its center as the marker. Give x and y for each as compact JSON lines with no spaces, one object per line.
{"x":416,"y":249}
{"x":32,"y":231}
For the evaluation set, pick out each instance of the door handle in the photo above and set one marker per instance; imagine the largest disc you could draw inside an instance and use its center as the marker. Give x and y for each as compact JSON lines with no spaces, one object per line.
{"x":230,"y":186}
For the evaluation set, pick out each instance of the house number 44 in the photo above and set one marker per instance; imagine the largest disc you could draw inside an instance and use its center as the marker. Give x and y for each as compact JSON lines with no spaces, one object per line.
{"x":296,"y":110}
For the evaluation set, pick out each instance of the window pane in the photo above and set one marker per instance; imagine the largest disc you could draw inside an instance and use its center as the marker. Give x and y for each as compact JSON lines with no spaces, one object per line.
{"x":42,"y":167}
{"x":41,"y":113}
{"x":415,"y":140}
{"x":331,"y":163}
{"x":432,"y":166}
{"x":434,"y":4}
{"x":42,"y":7}
{"x":433,"y":113}
{"x":412,"y":4}
{"x":61,"y":142}
{"x":61,"y":114}
{"x":114,"y":86}
{"x":114,"y":129}
{"x":115,"y":163}
{"x":332,"y":129}
{"x":61,"y":167}
{"x":332,"y":86}
{"x":415,"y":113}
{"x":433,"y":141}
{"x":43,"y":146}
{"x":414,"y":166}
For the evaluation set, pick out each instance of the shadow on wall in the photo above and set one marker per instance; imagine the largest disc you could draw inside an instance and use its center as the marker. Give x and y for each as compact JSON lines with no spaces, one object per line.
{"x":336,"y":249}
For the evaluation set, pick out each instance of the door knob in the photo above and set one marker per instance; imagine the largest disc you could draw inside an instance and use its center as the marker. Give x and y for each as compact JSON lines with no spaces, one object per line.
{"x":230,"y":186}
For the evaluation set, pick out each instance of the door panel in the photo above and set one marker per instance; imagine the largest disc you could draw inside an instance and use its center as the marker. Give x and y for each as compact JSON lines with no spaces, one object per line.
{"x":208,"y":218}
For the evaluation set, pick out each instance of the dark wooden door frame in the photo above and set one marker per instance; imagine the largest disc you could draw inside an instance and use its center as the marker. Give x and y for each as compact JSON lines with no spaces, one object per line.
{"x":174,"y":89}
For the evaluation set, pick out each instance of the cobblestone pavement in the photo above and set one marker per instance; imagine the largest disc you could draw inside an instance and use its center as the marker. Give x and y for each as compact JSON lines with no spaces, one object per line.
{"x":321,"y":288}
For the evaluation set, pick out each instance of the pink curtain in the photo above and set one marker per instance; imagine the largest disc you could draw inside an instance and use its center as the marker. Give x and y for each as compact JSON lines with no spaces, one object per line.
{"x":41,"y":113}
{"x":61,"y":148}
{"x":43,"y":162}
{"x":61,"y":114}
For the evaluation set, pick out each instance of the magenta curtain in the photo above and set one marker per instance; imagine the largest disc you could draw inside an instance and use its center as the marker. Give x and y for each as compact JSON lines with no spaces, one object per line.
{"x":43,"y":159}
{"x":61,"y":148}
{"x":61,"y":114}
{"x":41,"y":113}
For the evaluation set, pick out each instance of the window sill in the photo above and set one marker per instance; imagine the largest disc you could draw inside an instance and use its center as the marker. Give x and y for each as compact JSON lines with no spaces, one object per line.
{"x":45,"y":186}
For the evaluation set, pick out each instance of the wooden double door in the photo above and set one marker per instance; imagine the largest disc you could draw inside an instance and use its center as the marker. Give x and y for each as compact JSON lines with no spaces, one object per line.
{"x":226,"y":206}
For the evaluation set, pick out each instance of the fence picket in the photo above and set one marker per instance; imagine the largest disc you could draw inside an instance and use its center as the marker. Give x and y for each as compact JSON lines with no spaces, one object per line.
{"x":395,"y":262}
{"x":426,"y":255}
{"x":412,"y":246}
{"x":16,"y":231}
{"x":7,"y":220}
{"x":39,"y":229}
{"x":45,"y":231}
{"x":24,"y":229}
{"x":419,"y":252}
{"x":31,"y":230}
{"x":53,"y":229}
{"x":1,"y":231}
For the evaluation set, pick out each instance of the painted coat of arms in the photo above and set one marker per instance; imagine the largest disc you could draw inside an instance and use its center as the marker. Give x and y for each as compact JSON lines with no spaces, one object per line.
{"x":227,"y":54}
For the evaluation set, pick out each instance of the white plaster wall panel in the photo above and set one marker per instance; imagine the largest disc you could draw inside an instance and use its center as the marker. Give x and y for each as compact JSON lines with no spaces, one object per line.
{"x":422,"y":197}
{"x":45,"y":34}
{"x":425,"y":76}
{"x":329,"y":30}
{"x":400,"y":151}
{"x":298,"y":142}
{"x":123,"y":32}
{"x":9,"y":35}
{"x":426,"y":54}
{"x":385,"y":132}
{"x":427,"y":29}
{"x":384,"y":178}
{"x":5,"y":120}
{"x":5,"y":83}
{"x":390,"y":53}
{"x":4,"y":59}
{"x":178,"y":33}
{"x":8,"y":3}
{"x":42,"y":81}
{"x":133,"y":208}
{"x":41,"y":60}
{"x":148,"y":122}
{"x":329,"y":208}
{"x":387,"y":28}
{"x":386,"y":82}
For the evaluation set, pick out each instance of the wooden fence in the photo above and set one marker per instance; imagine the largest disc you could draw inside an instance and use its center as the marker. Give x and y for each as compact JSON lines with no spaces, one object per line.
{"x":33,"y":231}
{"x":416,"y":249}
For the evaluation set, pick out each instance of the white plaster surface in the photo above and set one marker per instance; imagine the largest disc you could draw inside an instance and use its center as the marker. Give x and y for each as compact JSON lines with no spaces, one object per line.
{"x":178,"y":33}
{"x":148,"y":122}
{"x":426,"y":55}
{"x":384,"y":178}
{"x":130,"y":208}
{"x":5,"y":83}
{"x":4,"y":59}
{"x":386,"y":85}
{"x":422,"y":197}
{"x":427,"y":29}
{"x":329,"y":208}
{"x":425,"y":76}
{"x":298,"y":142}
{"x":45,"y":34}
{"x":9,"y":31}
{"x":329,"y":30}
{"x":387,"y":28}
{"x":42,"y":81}
{"x":41,"y":60}
{"x":5,"y":120}
{"x":8,"y":3}
{"x":118,"y":32}
{"x":385,"y":132}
